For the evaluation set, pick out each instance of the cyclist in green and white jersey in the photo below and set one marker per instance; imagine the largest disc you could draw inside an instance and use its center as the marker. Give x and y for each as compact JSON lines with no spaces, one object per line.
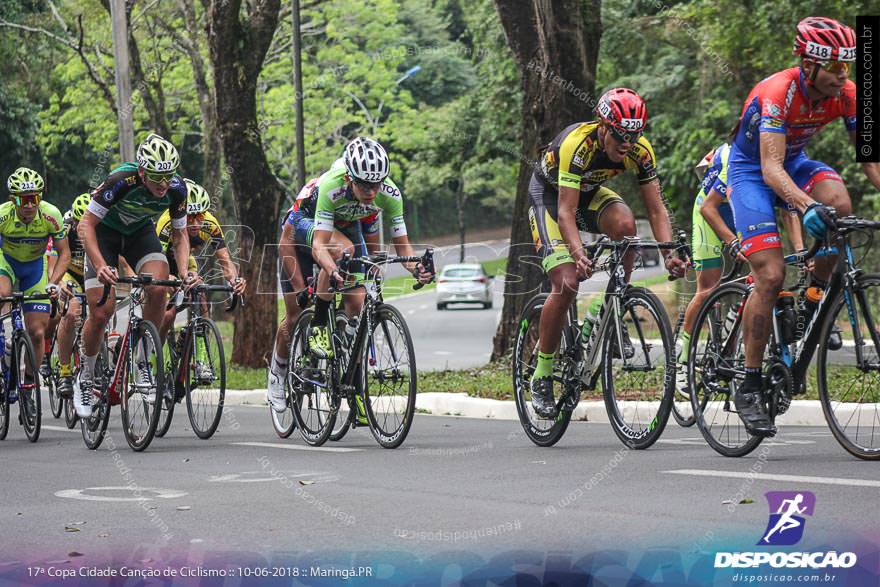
{"x":338,"y":214}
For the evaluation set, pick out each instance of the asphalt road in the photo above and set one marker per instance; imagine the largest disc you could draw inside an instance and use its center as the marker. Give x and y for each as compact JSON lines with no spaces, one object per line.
{"x":463,"y":485}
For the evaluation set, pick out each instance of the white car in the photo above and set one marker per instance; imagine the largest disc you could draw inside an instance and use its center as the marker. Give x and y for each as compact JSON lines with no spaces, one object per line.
{"x":463,"y":283}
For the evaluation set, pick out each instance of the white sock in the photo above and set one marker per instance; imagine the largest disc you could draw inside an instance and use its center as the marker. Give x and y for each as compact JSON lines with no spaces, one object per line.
{"x":89,"y":366}
{"x":279,"y":365}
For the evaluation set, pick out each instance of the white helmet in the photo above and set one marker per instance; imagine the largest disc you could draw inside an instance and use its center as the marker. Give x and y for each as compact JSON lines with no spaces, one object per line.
{"x":366,"y":160}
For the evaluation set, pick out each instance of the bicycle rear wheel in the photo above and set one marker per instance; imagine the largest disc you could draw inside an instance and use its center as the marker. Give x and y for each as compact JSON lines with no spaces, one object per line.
{"x":205,"y":378}
{"x":345,"y":416}
{"x":309,"y":382}
{"x":541,"y":431}
{"x":27,"y":385}
{"x":389,"y":393}
{"x":638,"y":390}
{"x":850,"y":392}
{"x":143,"y":386}
{"x":94,"y":428}
{"x":716,"y":369}
{"x":70,"y":417}
{"x":168,"y":401}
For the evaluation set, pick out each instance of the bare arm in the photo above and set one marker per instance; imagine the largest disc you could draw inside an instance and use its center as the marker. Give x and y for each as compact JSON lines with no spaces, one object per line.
{"x":86,"y":232}
{"x":709,"y":211}
{"x":180,"y":244}
{"x":61,"y":264}
{"x":320,"y":251}
{"x":793,"y":229}
{"x":775,"y":176}
{"x":658,"y":215}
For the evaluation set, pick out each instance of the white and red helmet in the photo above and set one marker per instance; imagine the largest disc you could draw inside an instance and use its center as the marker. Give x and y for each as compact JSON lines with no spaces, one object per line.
{"x":623,"y":109}
{"x":825,"y":39}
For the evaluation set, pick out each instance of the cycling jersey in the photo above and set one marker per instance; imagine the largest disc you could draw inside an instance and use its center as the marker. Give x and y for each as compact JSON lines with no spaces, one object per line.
{"x":77,"y":252}
{"x":575,"y":159}
{"x":779,"y":104}
{"x":27,"y":242}
{"x":125,"y":205}
{"x":704,"y":240}
{"x":332,"y":205}
{"x":209,"y":231}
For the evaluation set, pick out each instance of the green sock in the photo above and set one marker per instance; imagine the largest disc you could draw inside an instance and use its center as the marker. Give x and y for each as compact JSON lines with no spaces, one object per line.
{"x":595,"y":304}
{"x":685,"y":346}
{"x":545,"y":365}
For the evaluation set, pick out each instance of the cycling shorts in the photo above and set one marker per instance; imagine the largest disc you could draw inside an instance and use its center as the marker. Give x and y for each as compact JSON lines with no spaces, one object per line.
{"x":753,"y":201}
{"x":543,"y":218}
{"x":31,"y":276}
{"x":138,"y":248}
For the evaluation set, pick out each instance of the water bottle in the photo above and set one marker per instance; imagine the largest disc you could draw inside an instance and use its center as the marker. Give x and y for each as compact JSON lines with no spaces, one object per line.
{"x":589,"y":321}
{"x":787,"y":317}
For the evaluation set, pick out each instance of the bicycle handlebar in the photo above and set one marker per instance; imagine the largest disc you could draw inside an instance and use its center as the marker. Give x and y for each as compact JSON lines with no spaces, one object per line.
{"x":19,"y":298}
{"x":147,"y":279}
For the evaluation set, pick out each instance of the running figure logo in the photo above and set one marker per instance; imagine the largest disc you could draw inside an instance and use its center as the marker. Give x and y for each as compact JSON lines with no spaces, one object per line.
{"x":786,"y":524}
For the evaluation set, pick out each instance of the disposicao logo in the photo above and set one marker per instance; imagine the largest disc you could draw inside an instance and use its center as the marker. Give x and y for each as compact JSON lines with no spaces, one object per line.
{"x":786,"y":528}
{"x":787,"y":510}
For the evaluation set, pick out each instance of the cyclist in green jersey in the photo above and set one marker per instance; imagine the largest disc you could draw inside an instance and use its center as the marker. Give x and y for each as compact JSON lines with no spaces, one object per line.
{"x":27,"y":222}
{"x":119,"y":223}
{"x":341,"y":214}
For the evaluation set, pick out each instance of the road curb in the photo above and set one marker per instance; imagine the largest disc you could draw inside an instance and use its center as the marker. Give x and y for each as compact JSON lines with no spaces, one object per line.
{"x":801,"y":412}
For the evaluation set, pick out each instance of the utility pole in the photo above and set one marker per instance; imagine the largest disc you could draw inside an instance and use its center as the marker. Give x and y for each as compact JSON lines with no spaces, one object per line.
{"x":298,"y":98}
{"x":123,"y":79}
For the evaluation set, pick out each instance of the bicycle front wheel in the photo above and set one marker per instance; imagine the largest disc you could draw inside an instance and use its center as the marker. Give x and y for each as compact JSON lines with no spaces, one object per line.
{"x":144,"y":385}
{"x":169,"y":401}
{"x":94,"y":428}
{"x":4,"y":408}
{"x":205,"y":378}
{"x":56,"y":403}
{"x":309,"y":381}
{"x":716,"y":369}
{"x":27,"y":383}
{"x":541,"y":431}
{"x":345,"y":417}
{"x":638,"y":373}
{"x":849,"y":384}
{"x":390,"y":388}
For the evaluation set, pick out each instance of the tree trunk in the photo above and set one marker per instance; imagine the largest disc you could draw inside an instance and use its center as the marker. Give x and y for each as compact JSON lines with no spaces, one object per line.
{"x":238,"y":43}
{"x":555,"y":44}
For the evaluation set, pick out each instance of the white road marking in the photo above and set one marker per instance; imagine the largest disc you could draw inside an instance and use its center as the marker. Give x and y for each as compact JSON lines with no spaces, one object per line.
{"x":767,"y":477}
{"x":297,"y":447}
{"x":424,"y":306}
{"x":61,"y":428}
{"x":442,"y":353}
{"x":260,"y":477}
{"x":410,"y":312}
{"x":158,"y":491}
{"x":700,"y":441}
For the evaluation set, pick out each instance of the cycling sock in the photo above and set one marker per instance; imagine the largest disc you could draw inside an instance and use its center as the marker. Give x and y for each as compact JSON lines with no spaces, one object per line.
{"x":753,"y":377}
{"x":279,"y":365}
{"x":65,"y":370}
{"x":89,"y":366}
{"x":595,"y":305}
{"x":545,"y":365}
{"x":685,"y":346}
{"x":322,"y":312}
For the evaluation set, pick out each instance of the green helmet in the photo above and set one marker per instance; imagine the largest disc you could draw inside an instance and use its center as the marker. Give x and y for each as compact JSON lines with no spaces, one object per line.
{"x":80,"y":205}
{"x":157,"y":155}
{"x":197,"y":199}
{"x":24,"y":181}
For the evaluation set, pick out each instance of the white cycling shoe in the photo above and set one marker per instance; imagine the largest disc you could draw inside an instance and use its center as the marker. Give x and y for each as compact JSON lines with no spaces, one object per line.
{"x":275,"y":393}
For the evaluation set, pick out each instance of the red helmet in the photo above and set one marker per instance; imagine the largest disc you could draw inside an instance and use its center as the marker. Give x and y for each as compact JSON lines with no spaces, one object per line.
{"x":622,"y":109}
{"x":825,"y":39}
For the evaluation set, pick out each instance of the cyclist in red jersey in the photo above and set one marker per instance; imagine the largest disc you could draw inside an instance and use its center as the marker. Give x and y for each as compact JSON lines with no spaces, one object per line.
{"x":768,"y":166}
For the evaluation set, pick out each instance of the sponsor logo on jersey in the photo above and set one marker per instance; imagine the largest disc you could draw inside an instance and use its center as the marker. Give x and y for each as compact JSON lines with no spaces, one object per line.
{"x":391,"y":190}
{"x":789,"y":95}
{"x":130,"y":180}
{"x":108,"y":196}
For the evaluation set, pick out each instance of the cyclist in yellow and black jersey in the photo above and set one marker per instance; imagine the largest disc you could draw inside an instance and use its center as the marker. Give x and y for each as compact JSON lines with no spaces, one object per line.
{"x":566,"y":196}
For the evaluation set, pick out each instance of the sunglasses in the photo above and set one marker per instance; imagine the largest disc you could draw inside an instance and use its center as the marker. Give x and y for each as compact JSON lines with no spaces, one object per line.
{"x":834,"y":67}
{"x":23,"y":199}
{"x":368,"y":185}
{"x":158,"y":177}
{"x":623,"y":136}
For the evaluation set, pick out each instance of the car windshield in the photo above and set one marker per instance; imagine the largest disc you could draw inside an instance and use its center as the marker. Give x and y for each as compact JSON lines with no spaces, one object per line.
{"x":462,"y":273}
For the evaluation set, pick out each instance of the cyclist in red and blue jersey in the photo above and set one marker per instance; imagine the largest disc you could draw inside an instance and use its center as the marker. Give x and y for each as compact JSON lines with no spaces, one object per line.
{"x":768,"y":166}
